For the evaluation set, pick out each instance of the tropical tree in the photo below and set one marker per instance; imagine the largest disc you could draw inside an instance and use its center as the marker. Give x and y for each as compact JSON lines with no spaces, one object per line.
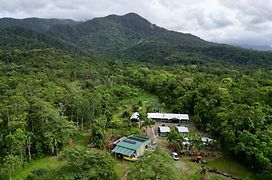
{"x":85,"y":164}
{"x":11,"y":162}
{"x":176,"y":140}
{"x":154,"y":165}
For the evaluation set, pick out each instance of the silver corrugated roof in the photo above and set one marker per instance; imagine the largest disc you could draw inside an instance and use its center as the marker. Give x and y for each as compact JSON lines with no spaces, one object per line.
{"x":135,"y":116}
{"x":168,"y":116}
{"x":182,"y":129}
{"x":164,"y":129}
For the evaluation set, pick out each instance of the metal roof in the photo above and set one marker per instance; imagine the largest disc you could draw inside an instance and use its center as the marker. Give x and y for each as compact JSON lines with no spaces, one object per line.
{"x":129,"y":144}
{"x":164,"y":129}
{"x":135,"y":116}
{"x":168,"y":116}
{"x":122,"y":150}
{"x":206,"y":140}
{"x":182,"y":129}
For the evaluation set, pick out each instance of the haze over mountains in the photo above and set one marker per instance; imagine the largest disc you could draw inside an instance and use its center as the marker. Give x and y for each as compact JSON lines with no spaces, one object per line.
{"x":255,"y":47}
{"x":126,"y":37}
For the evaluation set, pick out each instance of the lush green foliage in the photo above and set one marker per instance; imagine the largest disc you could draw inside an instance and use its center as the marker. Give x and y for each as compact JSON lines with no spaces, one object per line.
{"x":233,"y":107}
{"x":43,"y":101}
{"x":84,"y":164}
{"x":154,"y":165}
{"x":48,"y":95}
{"x":128,"y":37}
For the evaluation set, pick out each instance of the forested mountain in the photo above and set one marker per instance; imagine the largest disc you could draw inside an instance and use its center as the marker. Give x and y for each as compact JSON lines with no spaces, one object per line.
{"x":59,"y":78}
{"x":119,"y":33}
{"x":23,"y":38}
{"x":37,"y":24}
{"x":133,"y":37}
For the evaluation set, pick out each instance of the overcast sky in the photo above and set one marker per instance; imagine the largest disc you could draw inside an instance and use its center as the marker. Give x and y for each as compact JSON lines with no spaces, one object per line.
{"x":227,"y":21}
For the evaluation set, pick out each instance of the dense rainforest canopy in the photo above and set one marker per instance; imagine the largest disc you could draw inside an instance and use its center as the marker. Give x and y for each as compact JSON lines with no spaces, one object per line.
{"x":50,"y":88}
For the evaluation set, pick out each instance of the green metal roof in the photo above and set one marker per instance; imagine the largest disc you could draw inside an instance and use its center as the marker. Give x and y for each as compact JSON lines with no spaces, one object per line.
{"x":122,"y":150}
{"x":127,"y":145}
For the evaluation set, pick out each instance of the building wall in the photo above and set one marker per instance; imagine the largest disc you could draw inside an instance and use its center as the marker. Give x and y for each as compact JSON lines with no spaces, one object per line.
{"x":140,"y":151}
{"x":163,"y":134}
{"x":185,"y":134}
{"x":171,"y":120}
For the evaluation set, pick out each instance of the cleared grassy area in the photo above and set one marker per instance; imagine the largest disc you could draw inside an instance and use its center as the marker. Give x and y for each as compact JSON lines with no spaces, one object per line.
{"x":216,"y":178}
{"x":48,"y":163}
{"x":187,"y":168}
{"x":51,"y":163}
{"x":230,"y":166}
{"x":196,"y":176}
{"x":79,"y":141}
{"x":122,"y":167}
{"x":146,"y":99}
{"x":190,"y":170}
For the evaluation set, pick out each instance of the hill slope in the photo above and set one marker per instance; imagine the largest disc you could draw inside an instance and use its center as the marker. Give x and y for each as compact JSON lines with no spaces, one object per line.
{"x":119,"y":33}
{"x":36,"y":24}
{"x":22,"y":38}
{"x":135,"y":38}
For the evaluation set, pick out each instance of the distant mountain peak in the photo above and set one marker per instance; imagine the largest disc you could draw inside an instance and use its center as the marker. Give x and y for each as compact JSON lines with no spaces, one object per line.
{"x":129,"y":16}
{"x":132,"y":14}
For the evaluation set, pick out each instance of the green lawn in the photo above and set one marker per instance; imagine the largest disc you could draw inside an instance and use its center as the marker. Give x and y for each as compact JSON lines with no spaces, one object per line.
{"x":50,"y":163}
{"x":188,"y":169}
{"x":146,"y":98}
{"x":79,"y":141}
{"x":229,"y":165}
{"x":46,"y":163}
{"x":217,"y":178}
{"x":122,"y":167}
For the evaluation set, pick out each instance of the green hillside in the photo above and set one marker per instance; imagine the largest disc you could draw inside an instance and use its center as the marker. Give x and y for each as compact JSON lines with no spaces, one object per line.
{"x":131,"y":37}
{"x":36,"y":24}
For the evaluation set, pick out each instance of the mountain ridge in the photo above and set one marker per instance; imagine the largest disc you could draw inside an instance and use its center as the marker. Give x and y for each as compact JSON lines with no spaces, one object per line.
{"x":34,"y":23}
{"x":132,"y":37}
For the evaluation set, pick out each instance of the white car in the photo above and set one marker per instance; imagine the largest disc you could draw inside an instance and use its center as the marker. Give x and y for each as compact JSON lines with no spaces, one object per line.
{"x":175,"y":156}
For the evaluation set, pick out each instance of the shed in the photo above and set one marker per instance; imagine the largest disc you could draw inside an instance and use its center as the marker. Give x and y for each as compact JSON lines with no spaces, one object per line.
{"x":182,"y":129}
{"x":135,"y":117}
{"x":132,"y":146}
{"x":163,"y":130}
{"x":206,"y":140}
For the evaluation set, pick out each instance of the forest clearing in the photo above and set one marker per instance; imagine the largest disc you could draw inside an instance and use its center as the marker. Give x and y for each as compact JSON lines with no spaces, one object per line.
{"x":187,"y":169}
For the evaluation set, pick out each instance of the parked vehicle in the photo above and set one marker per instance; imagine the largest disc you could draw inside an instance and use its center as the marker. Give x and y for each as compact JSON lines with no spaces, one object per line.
{"x":175,"y":156}
{"x":130,"y":158}
{"x":199,"y":159}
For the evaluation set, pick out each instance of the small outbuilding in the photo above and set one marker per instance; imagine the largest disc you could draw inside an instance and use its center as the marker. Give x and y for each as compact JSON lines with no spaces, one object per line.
{"x":182,"y":129}
{"x":135,"y":117}
{"x":206,"y":140}
{"x":163,"y":130}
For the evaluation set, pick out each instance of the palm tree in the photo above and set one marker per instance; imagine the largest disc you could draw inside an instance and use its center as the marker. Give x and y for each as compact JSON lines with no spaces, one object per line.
{"x":175,"y":139}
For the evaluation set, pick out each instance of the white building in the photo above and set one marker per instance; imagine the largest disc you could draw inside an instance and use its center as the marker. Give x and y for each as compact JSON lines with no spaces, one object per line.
{"x":182,"y":129}
{"x":135,"y":117}
{"x":168,"y":117}
{"x":163,"y":130}
{"x":206,"y":140}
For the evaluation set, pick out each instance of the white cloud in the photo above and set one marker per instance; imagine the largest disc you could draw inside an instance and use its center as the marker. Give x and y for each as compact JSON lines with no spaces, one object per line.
{"x":247,"y":21}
